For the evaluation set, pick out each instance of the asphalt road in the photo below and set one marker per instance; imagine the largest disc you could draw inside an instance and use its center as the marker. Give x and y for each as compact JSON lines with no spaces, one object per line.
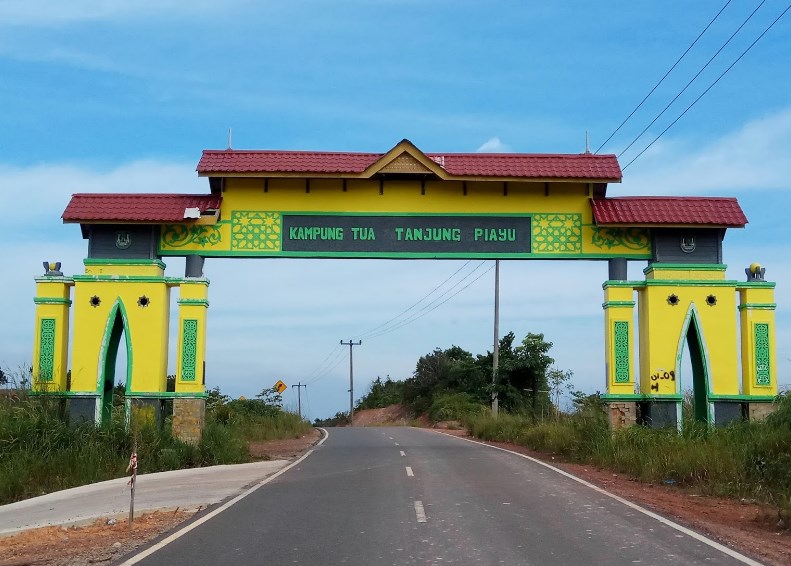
{"x":371,"y":496}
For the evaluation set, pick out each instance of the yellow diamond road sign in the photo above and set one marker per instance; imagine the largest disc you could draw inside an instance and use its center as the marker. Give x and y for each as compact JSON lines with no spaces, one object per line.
{"x":280,"y":386}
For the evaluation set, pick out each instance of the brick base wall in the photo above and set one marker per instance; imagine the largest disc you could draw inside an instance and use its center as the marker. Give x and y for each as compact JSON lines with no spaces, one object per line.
{"x":622,"y":414}
{"x":188,"y":419}
{"x":759,"y":411}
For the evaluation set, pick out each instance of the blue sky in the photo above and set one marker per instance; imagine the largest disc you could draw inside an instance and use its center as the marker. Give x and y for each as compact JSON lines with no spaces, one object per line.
{"x":122,"y":97}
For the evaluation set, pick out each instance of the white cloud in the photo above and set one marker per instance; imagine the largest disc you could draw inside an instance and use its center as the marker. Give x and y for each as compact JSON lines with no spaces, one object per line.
{"x":494,"y":145}
{"x":39,"y":194}
{"x":755,"y":156}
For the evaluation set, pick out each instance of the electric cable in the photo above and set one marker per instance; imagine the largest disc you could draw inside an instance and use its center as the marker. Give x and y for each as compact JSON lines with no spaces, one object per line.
{"x":691,"y":45}
{"x":335,"y":357}
{"x":321,"y":364}
{"x":427,"y":307}
{"x":427,"y":295}
{"x":326,"y":367}
{"x":327,"y":371}
{"x":683,"y":90}
{"x":405,"y":323}
{"x":709,"y":87}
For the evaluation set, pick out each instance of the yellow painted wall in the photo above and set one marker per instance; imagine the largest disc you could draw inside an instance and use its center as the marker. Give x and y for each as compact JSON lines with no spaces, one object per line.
{"x":146,"y":332}
{"x":405,"y":197}
{"x":618,"y":308}
{"x":757,"y":307}
{"x":190,"y":356}
{"x":52,"y":304}
{"x":663,"y":330}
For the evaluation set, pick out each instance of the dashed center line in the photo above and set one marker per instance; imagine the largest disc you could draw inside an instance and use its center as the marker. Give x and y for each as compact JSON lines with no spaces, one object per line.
{"x":409,"y":472}
{"x":402,"y":452}
{"x":397,"y":444}
{"x":420,"y":513}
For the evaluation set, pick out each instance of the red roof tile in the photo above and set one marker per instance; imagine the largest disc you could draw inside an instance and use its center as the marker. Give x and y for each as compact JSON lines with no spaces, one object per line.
{"x":522,"y":165}
{"x":701,"y":211}
{"x":153,"y":207}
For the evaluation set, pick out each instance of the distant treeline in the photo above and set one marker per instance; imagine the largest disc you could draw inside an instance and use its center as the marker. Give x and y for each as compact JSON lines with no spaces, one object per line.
{"x":449,"y":383}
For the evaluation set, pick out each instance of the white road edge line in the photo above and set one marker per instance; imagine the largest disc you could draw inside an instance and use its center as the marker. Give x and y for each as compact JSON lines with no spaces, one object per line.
{"x":420,"y":513}
{"x":724,"y":549}
{"x":180,"y":533}
{"x":402,"y":452}
{"x":409,"y":472}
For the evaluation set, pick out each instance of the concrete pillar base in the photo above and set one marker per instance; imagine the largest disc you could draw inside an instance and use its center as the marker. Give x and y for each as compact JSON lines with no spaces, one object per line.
{"x":622,"y":414}
{"x":659,"y":414}
{"x":189,"y":416}
{"x":82,"y":409}
{"x":146,"y":412}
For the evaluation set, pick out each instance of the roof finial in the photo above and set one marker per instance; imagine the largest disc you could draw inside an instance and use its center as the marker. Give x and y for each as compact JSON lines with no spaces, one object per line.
{"x":587,"y":145}
{"x":229,"y":138}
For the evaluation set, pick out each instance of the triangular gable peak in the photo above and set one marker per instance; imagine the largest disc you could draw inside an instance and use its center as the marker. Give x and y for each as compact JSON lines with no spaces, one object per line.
{"x":405,"y":159}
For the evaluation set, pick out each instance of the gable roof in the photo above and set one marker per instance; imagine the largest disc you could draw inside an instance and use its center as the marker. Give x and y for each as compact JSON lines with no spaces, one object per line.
{"x":448,"y":166}
{"x":663,"y":211}
{"x":137,"y":207}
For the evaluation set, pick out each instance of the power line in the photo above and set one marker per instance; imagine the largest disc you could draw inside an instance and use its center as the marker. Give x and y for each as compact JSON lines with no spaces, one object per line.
{"x":334,"y":358}
{"x":405,"y":323}
{"x":683,"y":90}
{"x":314,"y":375}
{"x":328,"y":367}
{"x":427,"y":308}
{"x":710,"y":86}
{"x":426,"y":296}
{"x":691,"y":45}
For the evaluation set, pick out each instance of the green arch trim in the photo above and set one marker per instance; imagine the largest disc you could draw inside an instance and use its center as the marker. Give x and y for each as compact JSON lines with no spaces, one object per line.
{"x":700,"y":363}
{"x":118,"y":307}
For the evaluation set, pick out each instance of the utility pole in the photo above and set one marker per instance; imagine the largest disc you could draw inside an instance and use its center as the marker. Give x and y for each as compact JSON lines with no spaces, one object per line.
{"x":351,"y":344}
{"x":299,"y":397}
{"x":496,"y":352}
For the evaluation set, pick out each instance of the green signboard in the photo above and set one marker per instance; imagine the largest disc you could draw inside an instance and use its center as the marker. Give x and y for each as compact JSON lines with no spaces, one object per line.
{"x":406,"y":234}
{"x":535,"y":235}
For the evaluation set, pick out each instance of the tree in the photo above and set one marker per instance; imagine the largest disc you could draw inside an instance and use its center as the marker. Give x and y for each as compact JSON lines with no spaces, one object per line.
{"x":444,"y":371}
{"x":559,"y":382}
{"x":271,"y":398}
{"x":522,"y":382}
{"x":3,"y":378}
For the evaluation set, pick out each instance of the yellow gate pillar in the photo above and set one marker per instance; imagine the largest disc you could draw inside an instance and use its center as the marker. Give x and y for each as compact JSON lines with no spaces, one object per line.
{"x":190,"y":403}
{"x":51,"y":341}
{"x":619,"y":352}
{"x":757,"y":327}
{"x":115,"y":298}
{"x":688,"y":308}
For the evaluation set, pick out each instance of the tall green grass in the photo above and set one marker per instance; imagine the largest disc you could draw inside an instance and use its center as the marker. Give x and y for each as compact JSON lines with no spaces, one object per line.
{"x":40,"y":452}
{"x":750,"y":460}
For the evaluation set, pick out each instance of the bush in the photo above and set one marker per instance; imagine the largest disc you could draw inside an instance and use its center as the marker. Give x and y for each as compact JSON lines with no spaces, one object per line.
{"x":742,"y":460}
{"x":453,"y":407}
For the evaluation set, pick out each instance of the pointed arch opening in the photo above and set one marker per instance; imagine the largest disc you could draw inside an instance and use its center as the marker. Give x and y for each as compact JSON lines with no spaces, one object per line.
{"x":693,"y":341}
{"x":117,"y":328}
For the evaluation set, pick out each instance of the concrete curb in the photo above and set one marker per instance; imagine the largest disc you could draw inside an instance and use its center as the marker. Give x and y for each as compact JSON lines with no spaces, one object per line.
{"x":189,"y":489}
